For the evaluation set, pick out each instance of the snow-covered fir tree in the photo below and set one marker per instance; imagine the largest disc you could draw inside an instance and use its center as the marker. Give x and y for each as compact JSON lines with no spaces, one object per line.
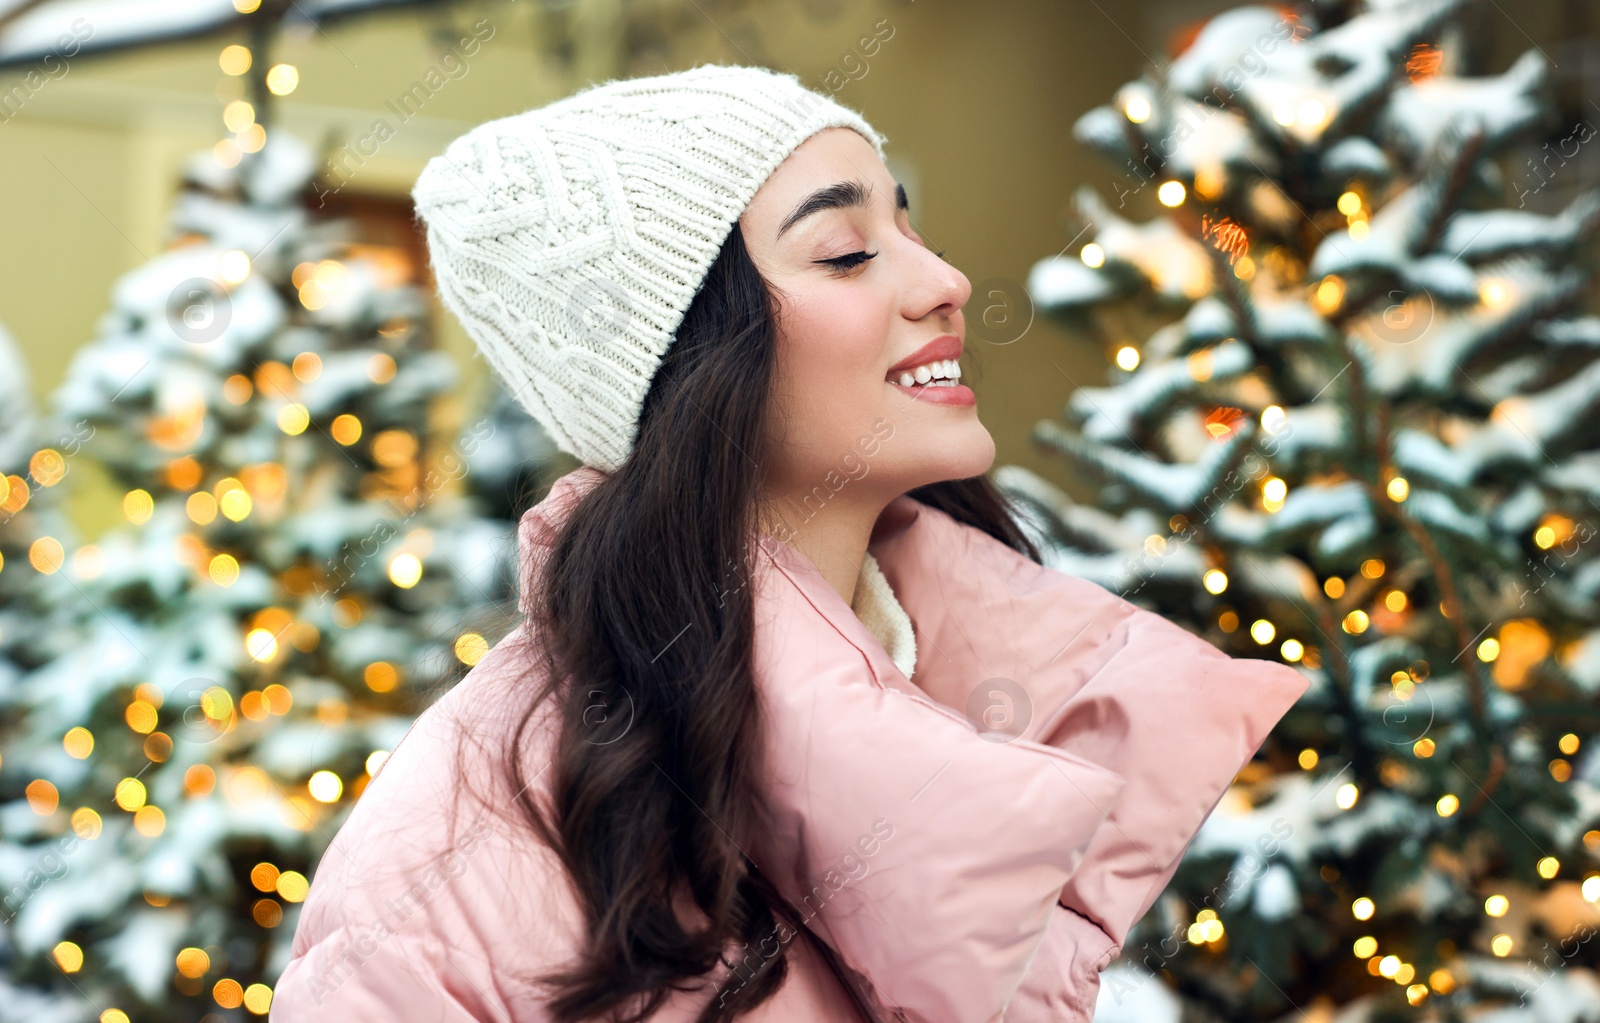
{"x":300,"y":572}
{"x":1351,"y":424}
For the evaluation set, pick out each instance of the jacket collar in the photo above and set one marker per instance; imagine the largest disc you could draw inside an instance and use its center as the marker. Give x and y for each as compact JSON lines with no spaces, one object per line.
{"x":541,"y":523}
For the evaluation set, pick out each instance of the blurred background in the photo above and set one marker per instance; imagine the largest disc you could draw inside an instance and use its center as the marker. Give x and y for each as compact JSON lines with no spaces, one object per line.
{"x":261,"y":492}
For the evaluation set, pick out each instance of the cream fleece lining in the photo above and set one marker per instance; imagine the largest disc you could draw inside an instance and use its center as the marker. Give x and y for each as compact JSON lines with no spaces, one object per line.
{"x":880,"y":611}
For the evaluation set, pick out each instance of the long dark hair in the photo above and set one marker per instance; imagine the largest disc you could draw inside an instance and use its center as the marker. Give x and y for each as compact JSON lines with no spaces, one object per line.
{"x":643,"y":618}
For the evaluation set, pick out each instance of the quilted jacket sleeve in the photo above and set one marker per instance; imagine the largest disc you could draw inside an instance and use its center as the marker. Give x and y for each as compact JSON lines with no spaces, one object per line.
{"x":929,"y":858}
{"x":1100,"y":677}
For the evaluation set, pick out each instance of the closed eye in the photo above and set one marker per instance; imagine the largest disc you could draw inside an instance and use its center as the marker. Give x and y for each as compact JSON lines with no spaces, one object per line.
{"x":848,"y":261}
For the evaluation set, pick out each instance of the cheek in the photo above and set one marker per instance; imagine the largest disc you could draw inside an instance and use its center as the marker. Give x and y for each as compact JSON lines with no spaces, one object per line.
{"x":832,"y":352}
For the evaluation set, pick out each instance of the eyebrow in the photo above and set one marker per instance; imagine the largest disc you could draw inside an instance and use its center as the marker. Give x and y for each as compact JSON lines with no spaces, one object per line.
{"x":840,"y":195}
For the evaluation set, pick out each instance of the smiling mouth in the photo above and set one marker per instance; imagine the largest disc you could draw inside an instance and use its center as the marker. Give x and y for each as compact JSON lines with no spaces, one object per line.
{"x":939,"y":373}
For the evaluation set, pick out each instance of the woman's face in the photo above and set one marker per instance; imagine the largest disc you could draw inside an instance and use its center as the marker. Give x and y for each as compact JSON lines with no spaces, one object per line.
{"x":843,"y":419}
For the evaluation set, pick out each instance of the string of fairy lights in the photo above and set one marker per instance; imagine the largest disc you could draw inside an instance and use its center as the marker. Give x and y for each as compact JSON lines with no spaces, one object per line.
{"x":267,"y":634}
{"x":1509,"y":653}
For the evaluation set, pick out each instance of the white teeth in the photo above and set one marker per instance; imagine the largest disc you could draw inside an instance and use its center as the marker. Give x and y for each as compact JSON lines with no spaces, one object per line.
{"x":944,"y":373}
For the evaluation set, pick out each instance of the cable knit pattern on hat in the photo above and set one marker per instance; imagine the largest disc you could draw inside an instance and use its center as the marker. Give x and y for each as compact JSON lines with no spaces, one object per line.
{"x":570,"y":239}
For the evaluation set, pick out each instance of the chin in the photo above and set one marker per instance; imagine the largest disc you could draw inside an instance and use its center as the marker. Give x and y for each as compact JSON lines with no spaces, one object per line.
{"x":969,"y":455}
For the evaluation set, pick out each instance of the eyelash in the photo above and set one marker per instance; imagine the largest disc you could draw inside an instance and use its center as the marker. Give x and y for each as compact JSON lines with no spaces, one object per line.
{"x":855,"y":259}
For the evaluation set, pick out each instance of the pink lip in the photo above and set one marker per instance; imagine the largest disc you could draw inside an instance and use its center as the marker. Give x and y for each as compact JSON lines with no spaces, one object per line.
{"x":960,"y":394}
{"x":945,"y":346}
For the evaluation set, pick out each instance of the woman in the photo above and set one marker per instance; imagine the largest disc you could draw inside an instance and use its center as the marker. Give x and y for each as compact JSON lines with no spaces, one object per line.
{"x":699,"y":781}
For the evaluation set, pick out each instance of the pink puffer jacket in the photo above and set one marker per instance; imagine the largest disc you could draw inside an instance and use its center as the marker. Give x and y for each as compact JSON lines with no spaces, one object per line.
{"x":946,"y":875}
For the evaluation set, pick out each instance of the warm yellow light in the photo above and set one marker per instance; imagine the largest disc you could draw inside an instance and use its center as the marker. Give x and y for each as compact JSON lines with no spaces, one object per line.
{"x":1548,"y":867}
{"x":1501,"y":945}
{"x":149,"y":821}
{"x":1496,"y":905}
{"x":405,"y":570}
{"x":238,"y":115}
{"x":1489,"y":649}
{"x":1312,"y":112}
{"x":193,"y":962}
{"x":252,"y":139}
{"x":1347,"y":795}
{"x":1274,"y":490}
{"x":346,"y":429}
{"x":1372,"y":568}
{"x":1308,"y":758}
{"x":292,"y":886}
{"x":68,"y":956}
{"x":1093,"y":256}
{"x":1128,"y":358}
{"x":293,"y":419}
{"x":1398,"y":489}
{"x":470,"y":648}
{"x":261,"y":645}
{"x":1423,"y":747}
{"x":282,"y":78}
{"x":130,"y":794}
{"x":1333,"y":586}
{"x":375,"y":760}
{"x":86,"y":823}
{"x":202,"y":507}
{"x":325,"y":786}
{"x":1415,"y":993}
{"x":233,"y":266}
{"x":1262,"y":631}
{"x":216,"y":703}
{"x":1172,"y":193}
{"x":1215,"y":580}
{"x":78,"y":742}
{"x":1362,"y":908}
{"x":1356,"y":622}
{"x":1137,"y":109}
{"x":234,"y":60}
{"x":42,"y":797}
{"x":224,"y":570}
{"x":1395,"y":600}
{"x":1569,"y":743}
{"x":1328,"y":296}
{"x":142,"y":717}
{"x":1359,"y":230}
{"x":381,"y":368}
{"x":380,"y":676}
{"x":235,"y":505}
{"x":1365,"y":947}
{"x":258,"y":998}
{"x":1292,"y":650}
{"x":138,"y":506}
{"x":1591,"y":888}
{"x":307,"y":366}
{"x":1349,"y":204}
{"x":1283,"y":113}
{"x":1389,"y":965}
{"x":1448,"y":804}
{"x":46,"y":555}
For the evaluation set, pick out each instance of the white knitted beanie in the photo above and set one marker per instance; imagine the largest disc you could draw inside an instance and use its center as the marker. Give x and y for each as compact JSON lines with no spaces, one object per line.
{"x":570,"y":239}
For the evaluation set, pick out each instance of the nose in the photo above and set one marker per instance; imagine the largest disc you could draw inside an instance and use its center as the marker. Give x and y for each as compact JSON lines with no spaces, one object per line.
{"x":941,"y":290}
